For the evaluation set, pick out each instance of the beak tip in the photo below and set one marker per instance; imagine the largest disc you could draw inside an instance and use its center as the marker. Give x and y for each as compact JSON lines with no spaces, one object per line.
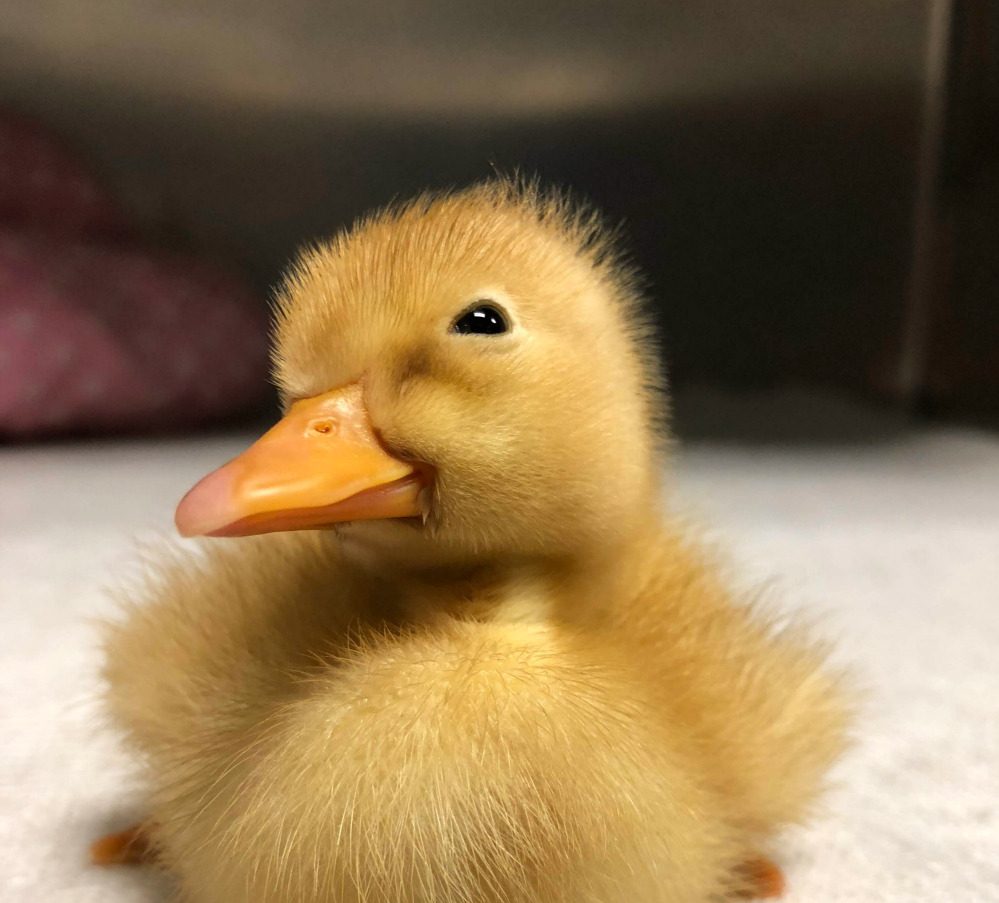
{"x":205,"y":507}
{"x":186,"y":524}
{"x":184,"y":528}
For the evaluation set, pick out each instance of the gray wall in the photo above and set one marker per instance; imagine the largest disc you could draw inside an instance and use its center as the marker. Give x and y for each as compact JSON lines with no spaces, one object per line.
{"x":763,"y":154}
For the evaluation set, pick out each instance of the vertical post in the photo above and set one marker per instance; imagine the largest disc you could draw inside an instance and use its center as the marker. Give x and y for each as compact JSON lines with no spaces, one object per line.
{"x":916,"y":324}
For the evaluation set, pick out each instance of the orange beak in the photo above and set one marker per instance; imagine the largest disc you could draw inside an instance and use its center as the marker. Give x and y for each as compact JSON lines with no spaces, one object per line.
{"x":320,"y":465}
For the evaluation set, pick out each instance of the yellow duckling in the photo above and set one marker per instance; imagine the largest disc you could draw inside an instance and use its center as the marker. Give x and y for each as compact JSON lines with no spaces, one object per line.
{"x":493,"y":671}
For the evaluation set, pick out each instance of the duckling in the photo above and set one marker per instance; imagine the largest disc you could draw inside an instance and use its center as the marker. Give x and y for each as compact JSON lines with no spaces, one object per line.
{"x":463,"y":652}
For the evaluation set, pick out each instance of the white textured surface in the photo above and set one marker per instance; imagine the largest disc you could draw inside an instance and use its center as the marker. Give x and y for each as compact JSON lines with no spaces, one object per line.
{"x":896,"y":544}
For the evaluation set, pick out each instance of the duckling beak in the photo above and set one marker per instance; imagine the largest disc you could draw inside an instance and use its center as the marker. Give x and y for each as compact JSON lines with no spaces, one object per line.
{"x":320,"y":465}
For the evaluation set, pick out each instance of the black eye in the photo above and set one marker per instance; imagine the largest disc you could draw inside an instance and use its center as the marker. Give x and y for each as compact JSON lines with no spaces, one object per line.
{"x":484,"y":319}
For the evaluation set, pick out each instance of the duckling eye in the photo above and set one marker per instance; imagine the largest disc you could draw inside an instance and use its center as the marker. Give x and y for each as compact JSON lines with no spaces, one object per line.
{"x":483,"y":319}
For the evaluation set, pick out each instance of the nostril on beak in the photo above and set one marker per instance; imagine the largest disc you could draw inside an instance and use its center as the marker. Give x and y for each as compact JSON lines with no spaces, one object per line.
{"x":323,"y":426}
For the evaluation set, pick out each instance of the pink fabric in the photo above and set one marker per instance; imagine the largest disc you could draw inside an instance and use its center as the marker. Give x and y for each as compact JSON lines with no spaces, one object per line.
{"x":44,"y":186}
{"x":96,"y":336}
{"x":100,"y":338}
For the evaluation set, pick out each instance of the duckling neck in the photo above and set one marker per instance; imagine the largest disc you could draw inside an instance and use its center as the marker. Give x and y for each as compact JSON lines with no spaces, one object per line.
{"x":514,"y":588}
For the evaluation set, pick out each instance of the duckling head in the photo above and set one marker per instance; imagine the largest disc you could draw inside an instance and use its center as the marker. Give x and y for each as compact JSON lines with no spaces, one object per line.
{"x":464,"y":376}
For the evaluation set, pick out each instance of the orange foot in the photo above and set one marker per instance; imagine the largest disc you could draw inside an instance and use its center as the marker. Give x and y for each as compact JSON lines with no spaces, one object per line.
{"x":131,"y":847}
{"x":761,"y":877}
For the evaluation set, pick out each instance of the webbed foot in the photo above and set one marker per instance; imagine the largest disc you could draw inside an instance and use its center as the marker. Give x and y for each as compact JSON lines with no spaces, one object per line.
{"x":762,"y":877}
{"x":129,"y":847}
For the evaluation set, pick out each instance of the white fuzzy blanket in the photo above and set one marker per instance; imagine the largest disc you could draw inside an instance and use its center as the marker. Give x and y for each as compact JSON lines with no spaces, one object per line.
{"x":895,"y":546}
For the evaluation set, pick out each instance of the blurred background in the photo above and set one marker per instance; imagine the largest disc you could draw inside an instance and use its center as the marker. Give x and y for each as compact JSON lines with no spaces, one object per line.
{"x":811,"y":187}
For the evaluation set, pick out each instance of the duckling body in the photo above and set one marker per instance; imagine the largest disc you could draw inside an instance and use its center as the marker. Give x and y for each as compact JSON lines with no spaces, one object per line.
{"x":540,"y":690}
